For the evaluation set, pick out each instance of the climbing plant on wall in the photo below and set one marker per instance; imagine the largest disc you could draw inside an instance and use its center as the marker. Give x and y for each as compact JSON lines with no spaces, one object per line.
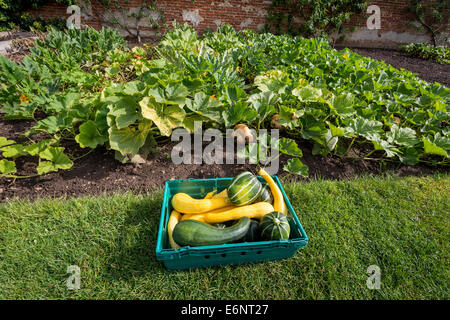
{"x":316,"y":18}
{"x":433,"y":16}
{"x":116,"y":14}
{"x":13,"y":14}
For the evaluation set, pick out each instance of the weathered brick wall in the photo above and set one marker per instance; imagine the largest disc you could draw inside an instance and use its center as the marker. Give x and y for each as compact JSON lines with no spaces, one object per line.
{"x":203,"y":14}
{"x":398,"y":26}
{"x":395,"y":29}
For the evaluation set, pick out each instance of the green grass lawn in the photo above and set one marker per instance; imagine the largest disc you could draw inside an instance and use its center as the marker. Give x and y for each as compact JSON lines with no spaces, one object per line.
{"x":399,"y":224}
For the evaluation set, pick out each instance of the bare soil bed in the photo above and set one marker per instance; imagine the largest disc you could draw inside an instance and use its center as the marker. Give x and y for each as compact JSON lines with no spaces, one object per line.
{"x":98,"y":172}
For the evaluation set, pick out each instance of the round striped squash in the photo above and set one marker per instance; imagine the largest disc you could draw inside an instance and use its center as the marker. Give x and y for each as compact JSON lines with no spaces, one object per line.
{"x":265,"y":194}
{"x":275,"y":226}
{"x":244,"y":189}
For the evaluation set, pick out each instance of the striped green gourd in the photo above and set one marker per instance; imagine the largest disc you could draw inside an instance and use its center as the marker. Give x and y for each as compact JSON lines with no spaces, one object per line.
{"x":244,"y":189}
{"x":265,"y":194}
{"x":275,"y":226}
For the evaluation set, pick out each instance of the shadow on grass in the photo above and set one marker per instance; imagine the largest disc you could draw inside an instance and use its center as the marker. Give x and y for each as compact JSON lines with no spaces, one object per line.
{"x":132,"y":255}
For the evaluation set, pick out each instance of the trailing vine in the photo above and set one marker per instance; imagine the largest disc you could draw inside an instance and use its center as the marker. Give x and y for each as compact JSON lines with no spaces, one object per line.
{"x":13,"y":15}
{"x":114,"y":14}
{"x":317,"y":18}
{"x":433,"y":16}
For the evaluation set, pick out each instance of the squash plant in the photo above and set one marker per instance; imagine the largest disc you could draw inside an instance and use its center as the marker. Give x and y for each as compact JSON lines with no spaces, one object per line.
{"x":127,"y":100}
{"x":51,"y":158}
{"x":438,"y":54}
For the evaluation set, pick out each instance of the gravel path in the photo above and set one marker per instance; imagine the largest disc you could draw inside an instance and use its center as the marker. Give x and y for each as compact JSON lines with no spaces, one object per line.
{"x":4,"y":45}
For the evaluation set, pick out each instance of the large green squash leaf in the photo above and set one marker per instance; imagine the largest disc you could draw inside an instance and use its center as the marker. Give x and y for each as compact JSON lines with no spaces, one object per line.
{"x":437,"y":145}
{"x":10,"y":73}
{"x":379,"y":144}
{"x":343,"y":105}
{"x":325,"y":144}
{"x":264,"y":103}
{"x":402,"y":136}
{"x":56,"y":160}
{"x":125,"y":111}
{"x":289,"y":117}
{"x":134,"y":88}
{"x":24,"y":111}
{"x":311,"y":127}
{"x":13,"y":151}
{"x":238,"y":112}
{"x":308,"y":94}
{"x":295,"y":166}
{"x":7,"y":167}
{"x":273,"y":80}
{"x":369,"y":129}
{"x":233,"y":94}
{"x":5,"y":142}
{"x":190,"y":121}
{"x":409,"y":156}
{"x":289,"y":147}
{"x":205,"y":106}
{"x":65,"y":102}
{"x":130,"y":139}
{"x":336,"y":131}
{"x":165,"y":117}
{"x":53,"y":124}
{"x":89,"y":136}
{"x":36,"y":148}
{"x":173,"y":93}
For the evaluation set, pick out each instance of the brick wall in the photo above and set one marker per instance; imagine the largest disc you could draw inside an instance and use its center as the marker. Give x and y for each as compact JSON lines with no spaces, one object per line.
{"x":395,"y":29}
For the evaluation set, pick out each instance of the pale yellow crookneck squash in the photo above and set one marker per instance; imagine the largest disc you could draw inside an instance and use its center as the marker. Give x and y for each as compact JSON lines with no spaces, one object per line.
{"x":185,"y":204}
{"x":209,"y":195}
{"x":278,"y":199}
{"x":255,"y":210}
{"x":221,"y":194}
{"x":174,"y":218}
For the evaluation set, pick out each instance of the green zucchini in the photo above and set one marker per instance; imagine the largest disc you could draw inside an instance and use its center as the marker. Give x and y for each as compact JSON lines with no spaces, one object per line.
{"x":197,"y":233}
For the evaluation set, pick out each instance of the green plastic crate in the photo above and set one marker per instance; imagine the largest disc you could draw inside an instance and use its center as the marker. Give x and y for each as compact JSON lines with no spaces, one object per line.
{"x":233,"y":253}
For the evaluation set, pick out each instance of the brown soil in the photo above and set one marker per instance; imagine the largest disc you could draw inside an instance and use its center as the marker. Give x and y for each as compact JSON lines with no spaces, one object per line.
{"x":97,"y":172}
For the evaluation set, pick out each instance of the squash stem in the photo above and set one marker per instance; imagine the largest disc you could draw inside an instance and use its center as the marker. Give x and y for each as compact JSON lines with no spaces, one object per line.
{"x":350,"y":145}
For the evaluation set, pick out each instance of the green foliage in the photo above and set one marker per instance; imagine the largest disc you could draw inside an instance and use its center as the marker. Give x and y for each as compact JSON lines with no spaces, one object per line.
{"x":434,"y":16}
{"x":7,"y":168}
{"x":12,"y":14}
{"x":295,"y":166}
{"x":438,"y":54}
{"x":89,"y":136}
{"x":95,"y":91}
{"x":116,"y":14}
{"x":58,"y":70}
{"x":320,"y":18}
{"x":50,"y":158}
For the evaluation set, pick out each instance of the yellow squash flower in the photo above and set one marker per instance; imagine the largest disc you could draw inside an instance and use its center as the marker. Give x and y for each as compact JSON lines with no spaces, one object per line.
{"x":24,"y":98}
